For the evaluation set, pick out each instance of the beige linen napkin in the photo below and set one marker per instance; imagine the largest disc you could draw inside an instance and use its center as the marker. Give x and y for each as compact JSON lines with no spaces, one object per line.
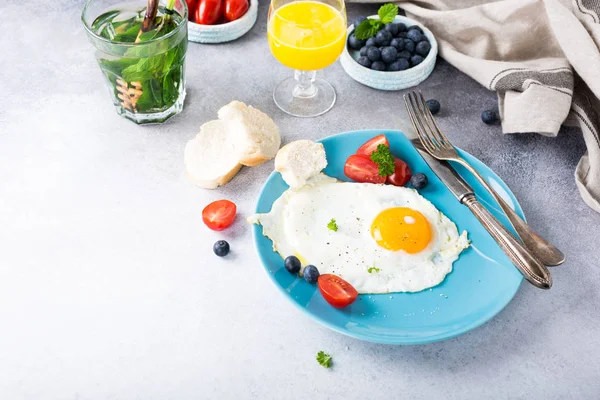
{"x":541,"y":56}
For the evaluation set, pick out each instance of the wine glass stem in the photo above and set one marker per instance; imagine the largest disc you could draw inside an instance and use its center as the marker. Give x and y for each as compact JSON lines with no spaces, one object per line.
{"x":305,"y":87}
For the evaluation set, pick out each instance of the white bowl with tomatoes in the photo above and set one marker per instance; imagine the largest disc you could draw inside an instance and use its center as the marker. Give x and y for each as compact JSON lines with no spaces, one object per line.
{"x":219,"y":21}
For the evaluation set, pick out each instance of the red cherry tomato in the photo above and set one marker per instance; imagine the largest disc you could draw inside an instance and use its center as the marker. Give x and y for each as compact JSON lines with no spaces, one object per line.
{"x":362,"y":169}
{"x":219,"y":214}
{"x":191,"y":5}
{"x":369,"y":147}
{"x":336,"y":291}
{"x":401,"y":173}
{"x":208,"y":12}
{"x":235,"y":9}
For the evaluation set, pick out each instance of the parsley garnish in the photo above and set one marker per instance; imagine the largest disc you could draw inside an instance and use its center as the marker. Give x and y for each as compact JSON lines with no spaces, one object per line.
{"x":373,"y":269}
{"x":332,"y":225}
{"x":369,"y":27}
{"x":384,"y":160}
{"x":324,"y":359}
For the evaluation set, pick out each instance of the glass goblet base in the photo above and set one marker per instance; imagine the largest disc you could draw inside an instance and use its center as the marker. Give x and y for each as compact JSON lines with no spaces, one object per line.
{"x":304,"y":95}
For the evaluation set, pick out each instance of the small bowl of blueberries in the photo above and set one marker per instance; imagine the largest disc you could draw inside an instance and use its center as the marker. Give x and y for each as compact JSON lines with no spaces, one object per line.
{"x":388,"y":51}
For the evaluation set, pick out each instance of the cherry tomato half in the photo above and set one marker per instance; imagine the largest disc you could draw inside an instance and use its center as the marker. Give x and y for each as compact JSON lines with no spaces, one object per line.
{"x":191,"y":5}
{"x":361,"y":169}
{"x":235,"y":9}
{"x":208,"y":12}
{"x":219,"y":214}
{"x":371,"y":145}
{"x":401,"y":173}
{"x":336,"y":291}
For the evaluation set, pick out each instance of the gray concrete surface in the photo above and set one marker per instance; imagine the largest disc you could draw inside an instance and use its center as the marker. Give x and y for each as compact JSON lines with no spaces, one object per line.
{"x":109,"y":290}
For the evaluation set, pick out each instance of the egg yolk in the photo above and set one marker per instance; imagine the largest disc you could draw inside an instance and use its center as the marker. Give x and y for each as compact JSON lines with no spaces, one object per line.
{"x":401,"y":228}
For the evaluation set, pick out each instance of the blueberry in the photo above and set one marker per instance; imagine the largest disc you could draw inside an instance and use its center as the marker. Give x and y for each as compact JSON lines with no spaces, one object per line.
{"x":419,"y":180}
{"x":489,"y":117}
{"x":221,"y":248}
{"x":389,"y":54}
{"x":415,"y":27}
{"x":292,"y":264}
{"x":423,"y":48}
{"x":398,"y":44}
{"x":371,"y":42}
{"x":378,"y":66}
{"x":357,"y":21}
{"x":399,"y":65}
{"x":401,"y":35}
{"x":401,"y":27}
{"x":392,"y":28}
{"x":404,"y":54}
{"x":409,"y":45}
{"x":374,"y":54}
{"x":364,"y":61}
{"x":414,"y":35}
{"x":311,"y":274}
{"x":355,"y":43}
{"x":416,"y":60}
{"x":434,"y":106}
{"x":382,"y":37}
{"x":386,"y":43}
{"x":363,"y":51}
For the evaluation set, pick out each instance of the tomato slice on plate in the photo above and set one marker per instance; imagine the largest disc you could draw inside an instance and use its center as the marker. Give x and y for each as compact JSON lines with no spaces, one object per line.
{"x":369,"y":147}
{"x":362,"y":169}
{"x":336,"y":291}
{"x":401,"y":173}
{"x":219,"y":214}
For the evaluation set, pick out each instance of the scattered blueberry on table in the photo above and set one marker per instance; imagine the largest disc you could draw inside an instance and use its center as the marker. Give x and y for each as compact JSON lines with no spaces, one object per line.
{"x":311,"y":274}
{"x":419,"y":180}
{"x":434,"y":106}
{"x":221,"y":248}
{"x":388,"y":46}
{"x":292,"y":264}
{"x":489,"y":117}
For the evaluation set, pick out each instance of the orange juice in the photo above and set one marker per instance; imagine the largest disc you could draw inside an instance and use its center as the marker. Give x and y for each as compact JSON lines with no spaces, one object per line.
{"x":307,"y":35}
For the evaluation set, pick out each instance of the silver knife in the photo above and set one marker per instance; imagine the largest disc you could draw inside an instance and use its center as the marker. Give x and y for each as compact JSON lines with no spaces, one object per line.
{"x":532,"y":269}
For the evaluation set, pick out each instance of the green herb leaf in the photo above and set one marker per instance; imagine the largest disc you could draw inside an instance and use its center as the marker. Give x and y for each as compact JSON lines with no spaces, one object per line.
{"x":373,"y":269}
{"x":324,"y":359}
{"x":368,"y":28}
{"x":332,"y":225}
{"x":384,"y":160}
{"x":387,"y":13}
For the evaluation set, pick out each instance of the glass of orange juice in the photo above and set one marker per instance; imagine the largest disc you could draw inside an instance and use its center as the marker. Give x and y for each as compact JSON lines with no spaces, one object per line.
{"x":306,"y":35}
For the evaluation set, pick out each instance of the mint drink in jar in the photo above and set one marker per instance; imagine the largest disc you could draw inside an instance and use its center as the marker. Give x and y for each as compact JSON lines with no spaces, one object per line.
{"x":141,"y":50}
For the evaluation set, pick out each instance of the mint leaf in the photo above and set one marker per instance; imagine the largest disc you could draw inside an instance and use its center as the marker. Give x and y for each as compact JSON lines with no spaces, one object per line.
{"x":368,"y":28}
{"x":332,"y":225}
{"x":387,"y":13}
{"x":324,"y":359}
{"x":384,"y":160}
{"x":373,"y":269}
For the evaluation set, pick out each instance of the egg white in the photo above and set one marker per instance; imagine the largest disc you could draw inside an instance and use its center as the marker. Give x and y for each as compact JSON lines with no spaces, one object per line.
{"x":297,"y":225}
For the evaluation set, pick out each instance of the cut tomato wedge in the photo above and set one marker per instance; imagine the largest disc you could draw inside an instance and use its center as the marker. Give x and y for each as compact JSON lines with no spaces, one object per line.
{"x":401,"y":173}
{"x":336,"y":291}
{"x":369,"y":147}
{"x":219,"y":214}
{"x":360,"y":168}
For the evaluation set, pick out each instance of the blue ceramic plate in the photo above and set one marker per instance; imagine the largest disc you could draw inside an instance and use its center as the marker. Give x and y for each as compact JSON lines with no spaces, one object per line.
{"x":481,"y":284}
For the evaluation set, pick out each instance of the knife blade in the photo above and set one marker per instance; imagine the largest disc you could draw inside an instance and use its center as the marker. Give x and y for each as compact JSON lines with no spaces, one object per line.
{"x":531,"y":268}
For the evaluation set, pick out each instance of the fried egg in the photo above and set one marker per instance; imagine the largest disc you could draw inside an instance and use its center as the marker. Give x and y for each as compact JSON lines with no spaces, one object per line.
{"x":379,"y":238}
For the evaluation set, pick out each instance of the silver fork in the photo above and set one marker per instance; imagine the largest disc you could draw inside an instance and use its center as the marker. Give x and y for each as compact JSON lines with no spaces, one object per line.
{"x":438,"y":145}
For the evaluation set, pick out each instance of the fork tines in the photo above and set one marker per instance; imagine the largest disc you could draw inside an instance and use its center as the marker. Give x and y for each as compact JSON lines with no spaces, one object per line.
{"x":429,"y":132}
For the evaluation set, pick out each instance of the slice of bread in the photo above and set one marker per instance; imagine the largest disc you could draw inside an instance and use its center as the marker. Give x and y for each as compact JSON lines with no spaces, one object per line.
{"x":255,"y":131}
{"x":299,"y":161}
{"x":212,"y":157}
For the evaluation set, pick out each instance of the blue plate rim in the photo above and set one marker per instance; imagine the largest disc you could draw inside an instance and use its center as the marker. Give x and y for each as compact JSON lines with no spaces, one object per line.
{"x":257,"y":234}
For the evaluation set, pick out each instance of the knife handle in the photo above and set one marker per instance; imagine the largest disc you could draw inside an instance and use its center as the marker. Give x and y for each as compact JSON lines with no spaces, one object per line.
{"x":532,"y":269}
